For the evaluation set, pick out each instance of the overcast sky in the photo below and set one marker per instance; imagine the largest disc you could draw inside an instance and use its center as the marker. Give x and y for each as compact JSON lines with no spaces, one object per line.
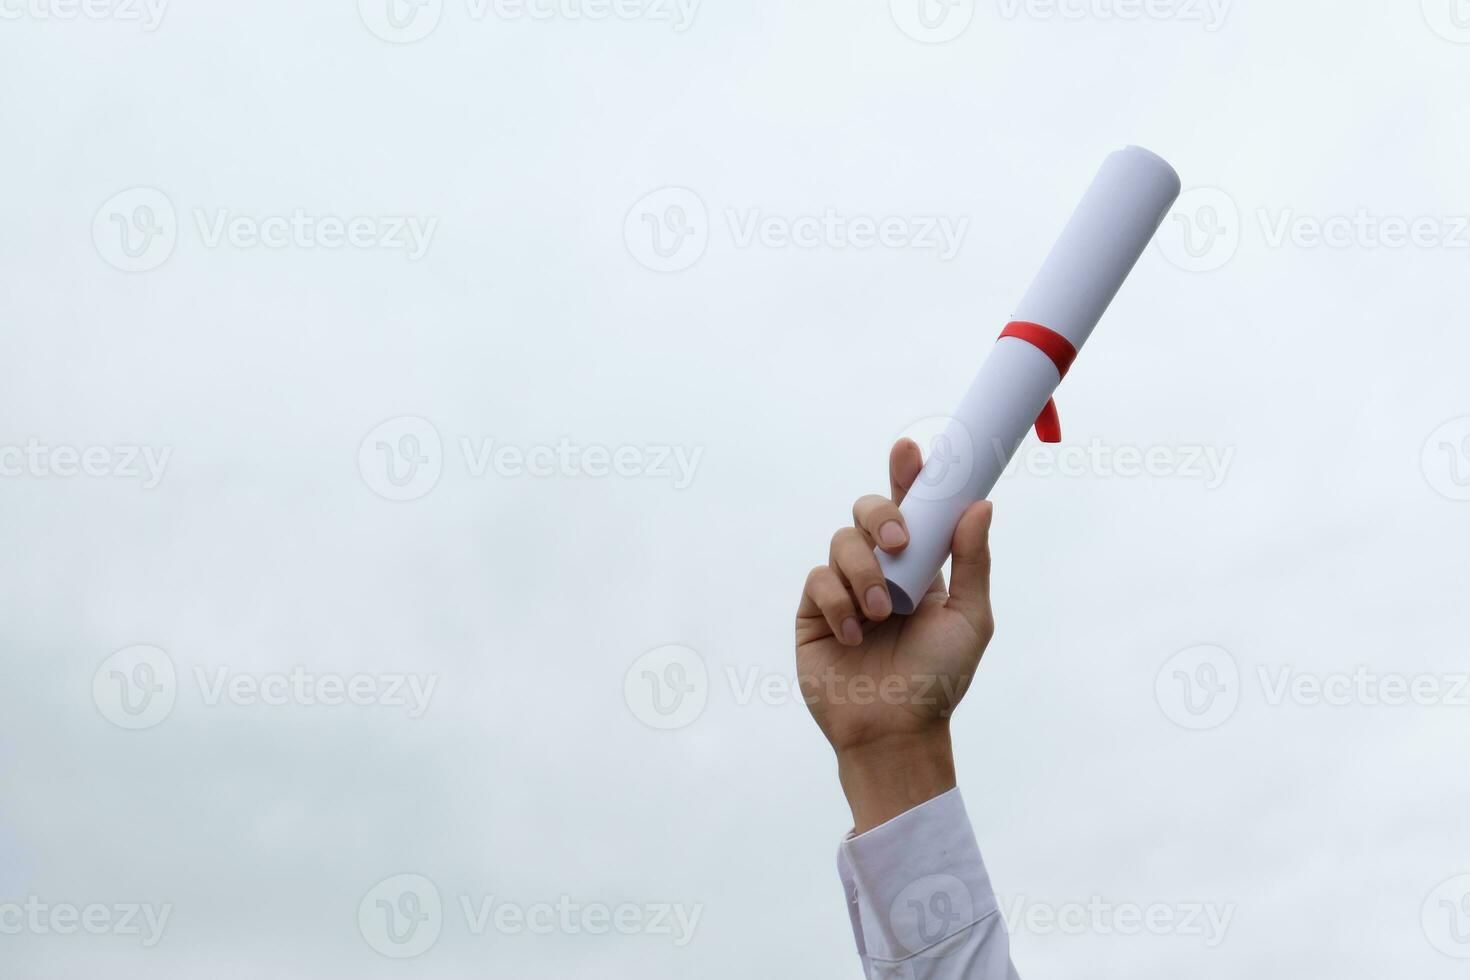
{"x":395,"y":403}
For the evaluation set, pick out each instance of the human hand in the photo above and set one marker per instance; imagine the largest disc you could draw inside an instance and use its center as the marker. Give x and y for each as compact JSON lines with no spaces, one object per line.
{"x":882,"y":687}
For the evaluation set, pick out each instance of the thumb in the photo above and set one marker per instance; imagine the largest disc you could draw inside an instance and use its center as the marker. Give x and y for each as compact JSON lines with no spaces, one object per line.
{"x":969,"y":586}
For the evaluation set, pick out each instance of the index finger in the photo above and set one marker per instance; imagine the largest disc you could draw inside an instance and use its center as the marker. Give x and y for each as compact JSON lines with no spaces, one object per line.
{"x":905,"y":461}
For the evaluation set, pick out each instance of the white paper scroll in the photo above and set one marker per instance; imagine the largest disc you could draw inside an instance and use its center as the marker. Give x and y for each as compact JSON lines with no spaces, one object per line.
{"x":1100,"y":245}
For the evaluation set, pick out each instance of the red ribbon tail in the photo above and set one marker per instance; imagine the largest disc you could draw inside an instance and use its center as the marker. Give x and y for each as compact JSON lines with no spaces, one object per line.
{"x":1049,"y":423}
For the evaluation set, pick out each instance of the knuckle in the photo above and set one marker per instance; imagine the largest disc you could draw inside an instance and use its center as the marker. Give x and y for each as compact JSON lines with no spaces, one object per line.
{"x":836,"y":603}
{"x":827,"y":591}
{"x":817,"y":578}
{"x":858,"y":558}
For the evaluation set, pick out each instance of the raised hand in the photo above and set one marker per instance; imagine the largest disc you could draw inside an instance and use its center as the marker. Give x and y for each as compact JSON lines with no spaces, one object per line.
{"x":882,"y":687}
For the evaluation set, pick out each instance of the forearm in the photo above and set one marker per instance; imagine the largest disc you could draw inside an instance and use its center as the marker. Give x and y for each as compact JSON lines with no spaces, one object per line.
{"x":890,"y":776}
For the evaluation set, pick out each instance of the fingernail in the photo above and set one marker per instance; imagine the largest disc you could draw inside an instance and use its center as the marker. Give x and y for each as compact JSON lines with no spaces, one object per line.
{"x":891,"y":535}
{"x":852,"y":633}
{"x":878,"y":604}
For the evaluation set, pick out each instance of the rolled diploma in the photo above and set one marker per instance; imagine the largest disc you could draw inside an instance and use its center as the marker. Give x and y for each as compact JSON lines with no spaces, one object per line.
{"x":1099,"y":247}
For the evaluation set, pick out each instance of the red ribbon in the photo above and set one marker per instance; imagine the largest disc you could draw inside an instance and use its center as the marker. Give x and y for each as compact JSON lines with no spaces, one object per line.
{"x":1062,"y":354}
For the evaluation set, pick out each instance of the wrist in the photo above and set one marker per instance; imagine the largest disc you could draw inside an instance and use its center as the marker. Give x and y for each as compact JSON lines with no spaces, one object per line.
{"x":890,"y":776}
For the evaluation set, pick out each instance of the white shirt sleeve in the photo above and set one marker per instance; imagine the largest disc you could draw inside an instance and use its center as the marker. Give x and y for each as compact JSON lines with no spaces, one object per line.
{"x":920,"y":898}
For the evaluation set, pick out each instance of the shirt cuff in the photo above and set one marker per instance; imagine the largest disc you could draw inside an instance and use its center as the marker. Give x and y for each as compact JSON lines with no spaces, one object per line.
{"x":916,"y":885}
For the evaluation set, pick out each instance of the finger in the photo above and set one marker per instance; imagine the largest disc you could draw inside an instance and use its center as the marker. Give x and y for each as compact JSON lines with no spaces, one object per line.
{"x":969,"y":582}
{"x":852,"y":556}
{"x":826,"y":594}
{"x":905,"y":461}
{"x":881,"y":520}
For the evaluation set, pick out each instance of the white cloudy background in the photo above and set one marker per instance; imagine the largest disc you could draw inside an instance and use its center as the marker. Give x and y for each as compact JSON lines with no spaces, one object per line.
{"x":1298,"y":320}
